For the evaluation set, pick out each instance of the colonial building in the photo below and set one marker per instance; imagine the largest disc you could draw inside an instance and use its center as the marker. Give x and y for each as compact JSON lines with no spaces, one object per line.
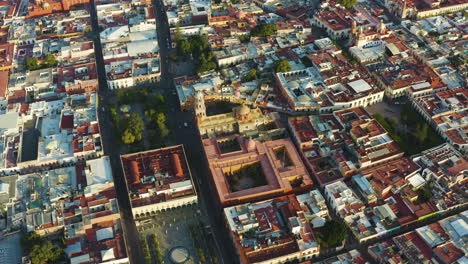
{"x":158,"y":179}
{"x":251,"y":122}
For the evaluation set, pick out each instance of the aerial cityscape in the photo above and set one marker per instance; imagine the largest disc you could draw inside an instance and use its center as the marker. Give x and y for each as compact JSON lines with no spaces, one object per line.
{"x":233,"y":131}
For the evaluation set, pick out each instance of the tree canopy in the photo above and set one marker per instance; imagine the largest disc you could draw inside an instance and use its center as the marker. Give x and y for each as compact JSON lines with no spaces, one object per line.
{"x":244,"y":38}
{"x":131,"y":95}
{"x":199,"y":48}
{"x":50,"y":61}
{"x":264,"y":30}
{"x":252,"y":75}
{"x":40,"y":250}
{"x":155,"y":112}
{"x":31,"y":63}
{"x":347,"y":3}
{"x":282,"y":66}
{"x":424,"y":195}
{"x":332,"y":234}
{"x":133,"y":129}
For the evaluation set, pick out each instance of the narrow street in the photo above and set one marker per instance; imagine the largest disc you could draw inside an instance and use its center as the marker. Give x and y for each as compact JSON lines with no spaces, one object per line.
{"x":112,"y":150}
{"x":188,"y":136}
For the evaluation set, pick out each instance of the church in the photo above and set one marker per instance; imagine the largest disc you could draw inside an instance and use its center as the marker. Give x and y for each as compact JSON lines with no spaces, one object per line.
{"x":250,"y":122}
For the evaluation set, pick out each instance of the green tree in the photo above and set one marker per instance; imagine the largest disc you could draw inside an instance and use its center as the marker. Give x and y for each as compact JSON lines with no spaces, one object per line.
{"x":50,"y":61}
{"x":114,"y":115}
{"x":160,"y":118}
{"x":163,"y":130}
{"x":347,"y":3}
{"x":282,"y":66}
{"x":133,"y":129}
{"x":205,"y":63}
{"x":128,"y":137}
{"x":424,"y":195}
{"x":151,"y":114}
{"x":157,"y":102}
{"x":31,"y":63}
{"x":40,"y":250}
{"x":264,"y":30}
{"x":252,"y":75}
{"x":178,"y":33}
{"x":45,"y":253}
{"x":184,"y":48}
{"x":199,"y":44}
{"x":421,"y":132}
{"x":29,"y":240}
{"x":332,"y":234}
{"x":244,"y":38}
{"x":136,"y":124}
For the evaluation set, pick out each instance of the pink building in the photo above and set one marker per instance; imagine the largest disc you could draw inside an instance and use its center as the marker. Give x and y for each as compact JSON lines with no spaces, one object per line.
{"x":245,"y":170}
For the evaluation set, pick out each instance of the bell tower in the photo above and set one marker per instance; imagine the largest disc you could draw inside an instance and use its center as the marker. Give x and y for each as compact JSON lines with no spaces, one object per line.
{"x":199,"y":107}
{"x":354,"y":28}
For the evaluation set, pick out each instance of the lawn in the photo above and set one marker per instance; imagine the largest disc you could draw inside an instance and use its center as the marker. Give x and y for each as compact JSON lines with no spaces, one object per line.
{"x":411,"y":132}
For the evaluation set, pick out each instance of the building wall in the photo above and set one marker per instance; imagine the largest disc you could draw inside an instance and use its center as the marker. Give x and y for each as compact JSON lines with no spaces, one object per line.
{"x":370,"y":163}
{"x":120,"y":83}
{"x":333,"y":34}
{"x":165,"y":205}
{"x":117,"y":261}
{"x":232,"y":60}
{"x":441,"y":11}
{"x":87,"y":86}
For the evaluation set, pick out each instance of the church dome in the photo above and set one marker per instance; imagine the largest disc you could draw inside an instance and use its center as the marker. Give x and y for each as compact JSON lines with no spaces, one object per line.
{"x":303,"y":98}
{"x":293,"y":85}
{"x":250,"y":144}
{"x":244,"y":110}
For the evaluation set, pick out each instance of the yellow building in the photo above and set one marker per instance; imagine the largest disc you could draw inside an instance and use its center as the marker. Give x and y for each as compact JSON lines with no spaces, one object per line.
{"x":251,"y":122}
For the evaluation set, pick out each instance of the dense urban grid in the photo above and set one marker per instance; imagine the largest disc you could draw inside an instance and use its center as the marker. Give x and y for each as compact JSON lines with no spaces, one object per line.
{"x":233,"y":131}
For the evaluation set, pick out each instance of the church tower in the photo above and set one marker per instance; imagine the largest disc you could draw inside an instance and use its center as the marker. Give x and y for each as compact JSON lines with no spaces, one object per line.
{"x":200,"y":109}
{"x":354,"y":29}
{"x":382,"y":28}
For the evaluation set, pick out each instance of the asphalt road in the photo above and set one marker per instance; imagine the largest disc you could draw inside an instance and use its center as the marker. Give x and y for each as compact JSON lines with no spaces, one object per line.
{"x":132,"y":239}
{"x":188,"y":136}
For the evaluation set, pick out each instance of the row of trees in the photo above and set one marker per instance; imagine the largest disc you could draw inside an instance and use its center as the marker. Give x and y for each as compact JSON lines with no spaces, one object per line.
{"x":196,"y":242}
{"x":155,"y":113}
{"x":41,"y":250}
{"x":156,"y":248}
{"x":32,"y":63}
{"x":144,"y":246}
